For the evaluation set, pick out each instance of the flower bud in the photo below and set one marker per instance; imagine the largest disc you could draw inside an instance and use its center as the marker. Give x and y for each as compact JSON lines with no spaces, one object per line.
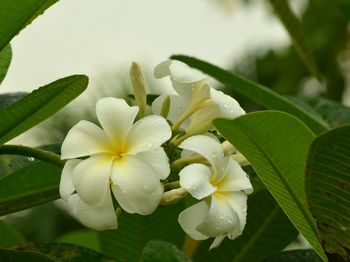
{"x":139,"y":85}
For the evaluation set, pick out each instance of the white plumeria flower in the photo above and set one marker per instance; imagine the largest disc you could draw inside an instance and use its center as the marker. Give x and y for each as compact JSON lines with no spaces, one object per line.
{"x":223,"y":187}
{"x":125,"y":157}
{"x":196,"y":98}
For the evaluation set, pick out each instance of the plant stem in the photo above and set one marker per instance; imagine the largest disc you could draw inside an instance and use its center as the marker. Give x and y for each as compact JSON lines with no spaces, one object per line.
{"x":36,"y":153}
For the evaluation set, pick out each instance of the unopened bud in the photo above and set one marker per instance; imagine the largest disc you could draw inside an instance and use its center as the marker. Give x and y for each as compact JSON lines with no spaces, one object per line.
{"x":139,"y":86}
{"x":173,"y":196}
{"x":164,"y":112}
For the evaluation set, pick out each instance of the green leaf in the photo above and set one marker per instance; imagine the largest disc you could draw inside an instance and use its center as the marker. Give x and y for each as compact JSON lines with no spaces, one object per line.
{"x":344,"y":7}
{"x":334,"y":113}
{"x":134,"y":231}
{"x":10,"y":98}
{"x":39,"y":105}
{"x":295,"y":30}
{"x":5,"y":60}
{"x":295,"y":256}
{"x":19,"y":256}
{"x":9,"y":235}
{"x":14,"y":16}
{"x":30,"y":186}
{"x":85,"y":238}
{"x":258,"y":93}
{"x":267,"y":232}
{"x":64,"y":252}
{"x":328,"y":190}
{"x":161,"y":251}
{"x":276,"y":145}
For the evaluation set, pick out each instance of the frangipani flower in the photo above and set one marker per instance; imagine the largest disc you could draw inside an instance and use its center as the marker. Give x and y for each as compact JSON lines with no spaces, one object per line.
{"x":196,"y":99}
{"x":124,"y":157}
{"x":223,"y":187}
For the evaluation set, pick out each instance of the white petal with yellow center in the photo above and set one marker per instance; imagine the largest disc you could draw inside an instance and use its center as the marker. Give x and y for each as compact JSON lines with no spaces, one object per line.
{"x":84,"y":139}
{"x":116,"y":117}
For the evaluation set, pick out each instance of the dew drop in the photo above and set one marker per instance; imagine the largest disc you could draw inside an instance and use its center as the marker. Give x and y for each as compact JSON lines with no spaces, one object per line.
{"x":31,"y":158}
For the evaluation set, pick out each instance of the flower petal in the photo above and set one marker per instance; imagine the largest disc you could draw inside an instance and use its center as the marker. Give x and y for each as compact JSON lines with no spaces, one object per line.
{"x":136,"y":185}
{"x":84,"y":139}
{"x":90,"y":178}
{"x":208,"y":148}
{"x":238,"y":202}
{"x":217,"y":241}
{"x":178,"y":106}
{"x":191,"y":217}
{"x":66,"y":182}
{"x":234,"y":178}
{"x":195,"y":179}
{"x":116,"y":117}
{"x":182,"y":76}
{"x":101,"y":217}
{"x":147,"y":134}
{"x":228,"y":107}
{"x":159,"y":160}
{"x":221,"y":219}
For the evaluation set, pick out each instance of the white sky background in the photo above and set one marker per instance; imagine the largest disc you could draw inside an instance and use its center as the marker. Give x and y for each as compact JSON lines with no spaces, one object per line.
{"x":90,"y":36}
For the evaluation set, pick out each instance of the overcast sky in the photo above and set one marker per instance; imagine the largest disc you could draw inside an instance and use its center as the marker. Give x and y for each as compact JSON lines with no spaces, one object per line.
{"x":90,"y":36}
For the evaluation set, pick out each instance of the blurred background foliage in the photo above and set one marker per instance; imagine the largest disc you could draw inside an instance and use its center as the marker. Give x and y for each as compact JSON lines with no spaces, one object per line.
{"x":326,"y":29}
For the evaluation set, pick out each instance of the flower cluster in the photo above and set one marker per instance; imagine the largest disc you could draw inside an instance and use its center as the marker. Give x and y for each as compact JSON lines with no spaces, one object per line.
{"x":122,"y":164}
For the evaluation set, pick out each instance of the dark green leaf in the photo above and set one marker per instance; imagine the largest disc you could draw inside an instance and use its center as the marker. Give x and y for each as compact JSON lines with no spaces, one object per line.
{"x":39,"y":105}
{"x":10,"y":98}
{"x":295,"y":30}
{"x":328,"y":189}
{"x":9,"y":235}
{"x":5,"y":60}
{"x":161,"y":251}
{"x":276,"y":145}
{"x":258,"y":93}
{"x":344,"y":7}
{"x":267,"y":232}
{"x":85,"y":238}
{"x":7,"y":255}
{"x":30,"y":186}
{"x":127,"y":242}
{"x":295,"y":256}
{"x":334,"y":113}
{"x":65,"y":252}
{"x":14,"y":16}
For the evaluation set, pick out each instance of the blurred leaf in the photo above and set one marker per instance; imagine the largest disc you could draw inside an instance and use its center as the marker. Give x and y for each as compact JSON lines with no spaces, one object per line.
{"x":10,"y":98}
{"x":134,"y":231}
{"x":10,"y":163}
{"x":65,"y":252}
{"x":267,"y":232}
{"x":276,"y":145}
{"x":85,"y":238}
{"x":39,"y":105}
{"x":258,"y":93}
{"x":9,"y":235}
{"x":150,"y":98}
{"x":161,"y":251}
{"x":334,"y":113}
{"x":295,"y":256}
{"x":296,"y":32}
{"x":344,"y":8}
{"x":7,"y":255}
{"x":29,"y":186}
{"x":5,"y":60}
{"x":14,"y":16}
{"x":328,"y":190}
